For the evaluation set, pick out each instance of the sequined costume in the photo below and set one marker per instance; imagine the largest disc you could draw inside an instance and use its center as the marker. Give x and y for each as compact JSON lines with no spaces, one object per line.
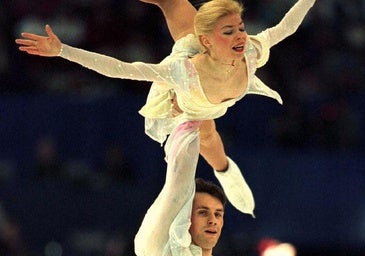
{"x":165,"y":228}
{"x":176,"y":75}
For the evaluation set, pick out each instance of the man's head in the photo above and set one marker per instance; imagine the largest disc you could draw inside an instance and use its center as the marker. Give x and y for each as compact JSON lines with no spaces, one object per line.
{"x":210,"y":188}
{"x":207,"y":214}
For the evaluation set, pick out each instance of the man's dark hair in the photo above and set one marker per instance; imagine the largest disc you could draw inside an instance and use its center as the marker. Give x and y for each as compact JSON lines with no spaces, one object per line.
{"x":210,"y":188}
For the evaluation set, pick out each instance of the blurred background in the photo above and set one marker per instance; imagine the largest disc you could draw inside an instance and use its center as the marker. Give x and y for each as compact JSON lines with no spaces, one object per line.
{"x":77,"y":172}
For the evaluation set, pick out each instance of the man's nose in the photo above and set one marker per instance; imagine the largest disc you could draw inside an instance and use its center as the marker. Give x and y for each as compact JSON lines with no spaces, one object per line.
{"x":212,"y":220}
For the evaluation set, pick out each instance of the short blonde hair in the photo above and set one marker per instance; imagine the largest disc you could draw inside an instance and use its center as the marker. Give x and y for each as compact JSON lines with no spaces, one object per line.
{"x":210,"y":12}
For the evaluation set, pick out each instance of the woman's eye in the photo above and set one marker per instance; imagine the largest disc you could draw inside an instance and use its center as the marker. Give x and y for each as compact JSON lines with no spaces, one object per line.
{"x":228,"y":32}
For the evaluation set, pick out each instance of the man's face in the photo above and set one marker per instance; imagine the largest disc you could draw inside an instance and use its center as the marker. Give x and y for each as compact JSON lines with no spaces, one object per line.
{"x":206,"y":220}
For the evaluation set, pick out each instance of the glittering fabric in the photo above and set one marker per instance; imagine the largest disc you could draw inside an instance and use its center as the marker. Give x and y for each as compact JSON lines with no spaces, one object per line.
{"x":165,"y":228}
{"x":176,"y":75}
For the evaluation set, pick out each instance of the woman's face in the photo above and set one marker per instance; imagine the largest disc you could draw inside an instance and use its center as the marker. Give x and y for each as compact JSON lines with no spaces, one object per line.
{"x":228,"y":38}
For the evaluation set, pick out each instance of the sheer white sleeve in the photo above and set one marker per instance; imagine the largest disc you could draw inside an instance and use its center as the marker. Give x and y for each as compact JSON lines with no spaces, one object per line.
{"x":182,"y":152}
{"x":290,"y":23}
{"x":115,"y":68}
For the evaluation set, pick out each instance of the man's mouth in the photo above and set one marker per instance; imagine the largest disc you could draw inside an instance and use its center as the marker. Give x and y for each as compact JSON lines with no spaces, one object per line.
{"x":211,"y":232}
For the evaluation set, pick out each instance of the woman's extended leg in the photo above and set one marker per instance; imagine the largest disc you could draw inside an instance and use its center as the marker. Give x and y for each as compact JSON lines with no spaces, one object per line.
{"x":211,"y":146}
{"x":179,"y":15}
{"x":212,"y":149}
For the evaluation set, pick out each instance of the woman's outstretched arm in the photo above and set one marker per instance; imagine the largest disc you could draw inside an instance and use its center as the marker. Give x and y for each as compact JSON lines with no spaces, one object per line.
{"x":51,"y":46}
{"x":290,"y":22}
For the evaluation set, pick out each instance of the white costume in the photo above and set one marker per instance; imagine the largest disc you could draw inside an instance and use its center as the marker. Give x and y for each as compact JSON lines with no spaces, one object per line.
{"x":176,"y":75}
{"x":165,"y":228}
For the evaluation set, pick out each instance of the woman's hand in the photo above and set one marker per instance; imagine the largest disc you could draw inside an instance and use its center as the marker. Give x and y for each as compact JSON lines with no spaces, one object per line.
{"x":48,"y":46}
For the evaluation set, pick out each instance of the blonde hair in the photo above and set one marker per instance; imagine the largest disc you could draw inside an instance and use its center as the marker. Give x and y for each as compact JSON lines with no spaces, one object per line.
{"x":210,"y":12}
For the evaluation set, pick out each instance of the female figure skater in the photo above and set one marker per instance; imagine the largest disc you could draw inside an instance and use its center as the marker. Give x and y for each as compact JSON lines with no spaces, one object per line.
{"x":207,"y":71}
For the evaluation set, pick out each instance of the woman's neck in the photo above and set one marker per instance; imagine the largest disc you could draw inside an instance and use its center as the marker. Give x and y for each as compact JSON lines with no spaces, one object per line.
{"x":223,"y":67}
{"x":221,"y":62}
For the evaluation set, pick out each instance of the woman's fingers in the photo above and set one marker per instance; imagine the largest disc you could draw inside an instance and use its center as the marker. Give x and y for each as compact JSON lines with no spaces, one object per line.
{"x":31,"y":36}
{"x":29,"y":46}
{"x":29,"y":50}
{"x":30,"y":39}
{"x":25,"y":42}
{"x":49,"y":31}
{"x":40,"y":45}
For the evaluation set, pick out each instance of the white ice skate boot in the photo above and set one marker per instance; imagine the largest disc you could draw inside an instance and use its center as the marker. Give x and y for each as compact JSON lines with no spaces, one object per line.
{"x":236,"y":189}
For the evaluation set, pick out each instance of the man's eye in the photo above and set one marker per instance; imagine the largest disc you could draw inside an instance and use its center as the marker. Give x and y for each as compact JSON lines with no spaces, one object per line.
{"x":218,"y":214}
{"x":242,"y":29}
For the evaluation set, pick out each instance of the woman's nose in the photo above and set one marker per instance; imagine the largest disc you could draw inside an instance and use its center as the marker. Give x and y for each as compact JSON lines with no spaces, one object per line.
{"x":242,"y":35}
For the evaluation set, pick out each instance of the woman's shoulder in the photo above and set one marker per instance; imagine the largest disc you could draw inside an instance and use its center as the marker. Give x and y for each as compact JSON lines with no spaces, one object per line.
{"x":260,"y":43}
{"x":188,"y":45}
